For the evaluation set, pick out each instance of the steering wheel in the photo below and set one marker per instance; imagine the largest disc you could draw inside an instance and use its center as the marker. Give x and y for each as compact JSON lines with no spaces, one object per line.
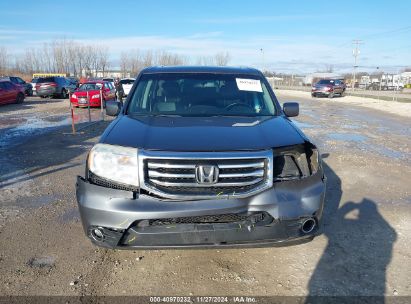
{"x":237,"y":104}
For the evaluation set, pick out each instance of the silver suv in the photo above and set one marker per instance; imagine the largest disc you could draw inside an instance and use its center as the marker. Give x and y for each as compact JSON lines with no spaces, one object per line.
{"x":201,"y":156}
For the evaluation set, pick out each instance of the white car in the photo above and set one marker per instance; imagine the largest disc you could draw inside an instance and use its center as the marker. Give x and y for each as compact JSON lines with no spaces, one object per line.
{"x":127,"y":84}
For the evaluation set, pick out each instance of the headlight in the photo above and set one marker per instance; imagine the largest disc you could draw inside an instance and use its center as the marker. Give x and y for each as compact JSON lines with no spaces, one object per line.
{"x":114,"y":163}
{"x":74,"y":96}
{"x":95,"y":96}
{"x":296,"y":162}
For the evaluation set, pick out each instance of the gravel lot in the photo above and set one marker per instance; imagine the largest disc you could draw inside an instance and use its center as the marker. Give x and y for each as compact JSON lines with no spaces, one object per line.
{"x":365,"y":248}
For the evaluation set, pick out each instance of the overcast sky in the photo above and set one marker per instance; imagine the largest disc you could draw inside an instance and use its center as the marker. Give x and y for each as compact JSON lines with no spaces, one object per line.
{"x":295,"y":36}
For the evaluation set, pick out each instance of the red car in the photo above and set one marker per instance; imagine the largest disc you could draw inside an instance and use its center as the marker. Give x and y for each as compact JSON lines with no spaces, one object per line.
{"x":10,"y":92}
{"x":92,"y":90}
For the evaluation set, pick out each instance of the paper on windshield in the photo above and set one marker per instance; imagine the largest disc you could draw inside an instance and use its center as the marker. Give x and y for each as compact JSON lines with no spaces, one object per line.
{"x":252,"y":85}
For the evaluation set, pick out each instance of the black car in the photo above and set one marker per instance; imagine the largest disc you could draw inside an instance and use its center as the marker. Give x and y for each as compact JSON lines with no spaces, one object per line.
{"x":201,"y":156}
{"x":28,"y":89}
{"x":54,"y":87}
{"x":74,"y":81}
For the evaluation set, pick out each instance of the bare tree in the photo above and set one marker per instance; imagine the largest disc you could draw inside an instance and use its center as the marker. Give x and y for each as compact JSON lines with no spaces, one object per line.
{"x":205,"y":60}
{"x":4,"y":60}
{"x":222,"y":59}
{"x":103,"y":59}
{"x":124,"y":63}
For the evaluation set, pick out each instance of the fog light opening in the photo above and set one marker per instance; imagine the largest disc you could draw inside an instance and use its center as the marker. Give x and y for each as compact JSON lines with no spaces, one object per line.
{"x":97,"y":234}
{"x":308,"y":225}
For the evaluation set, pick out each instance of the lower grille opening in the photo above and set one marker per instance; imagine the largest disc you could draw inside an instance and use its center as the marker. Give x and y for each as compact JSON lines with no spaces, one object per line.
{"x":255,"y":218}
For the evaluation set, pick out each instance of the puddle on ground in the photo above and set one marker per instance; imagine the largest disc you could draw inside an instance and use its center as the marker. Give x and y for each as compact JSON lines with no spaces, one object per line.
{"x":371,"y":148}
{"x":38,"y":125}
{"x":347,"y":137}
{"x":303,"y":125}
{"x":351,"y":127}
{"x":387,"y":152}
{"x":29,"y":127}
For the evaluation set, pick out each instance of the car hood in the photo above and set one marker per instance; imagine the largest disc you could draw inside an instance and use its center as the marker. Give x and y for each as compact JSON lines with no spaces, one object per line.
{"x":322,"y":85}
{"x":202,"y":133}
{"x":84,"y":93}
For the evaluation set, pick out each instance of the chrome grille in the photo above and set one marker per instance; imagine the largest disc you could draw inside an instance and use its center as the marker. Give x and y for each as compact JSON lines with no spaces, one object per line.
{"x":173,"y":174}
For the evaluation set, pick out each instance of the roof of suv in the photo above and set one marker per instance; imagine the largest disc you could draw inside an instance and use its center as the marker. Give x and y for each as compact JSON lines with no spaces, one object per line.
{"x":202,"y":69}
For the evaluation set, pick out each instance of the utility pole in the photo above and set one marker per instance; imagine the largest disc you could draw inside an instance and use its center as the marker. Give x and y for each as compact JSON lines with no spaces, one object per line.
{"x":355,"y":53}
{"x":262,"y":54}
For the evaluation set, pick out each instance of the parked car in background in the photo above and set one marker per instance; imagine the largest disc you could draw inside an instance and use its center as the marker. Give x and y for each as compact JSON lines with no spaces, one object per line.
{"x":109,"y":80}
{"x":127,"y":84}
{"x":10,"y":92}
{"x":54,"y":87}
{"x":328,"y":88}
{"x":74,"y":81}
{"x":28,"y":88}
{"x":91,"y":91}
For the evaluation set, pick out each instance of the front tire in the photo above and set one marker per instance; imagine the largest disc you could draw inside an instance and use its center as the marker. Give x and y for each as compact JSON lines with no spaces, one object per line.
{"x":64,"y":94}
{"x":20,"y":98}
{"x":331,"y":96}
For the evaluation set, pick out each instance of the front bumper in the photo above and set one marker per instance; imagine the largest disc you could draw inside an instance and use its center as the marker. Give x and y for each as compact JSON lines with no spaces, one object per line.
{"x":122,"y":216}
{"x":46,"y":91}
{"x":94,"y":102}
{"x":321,"y":92}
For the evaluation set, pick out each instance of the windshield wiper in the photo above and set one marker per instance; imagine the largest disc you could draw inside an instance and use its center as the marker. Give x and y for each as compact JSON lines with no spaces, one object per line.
{"x":166,"y":115}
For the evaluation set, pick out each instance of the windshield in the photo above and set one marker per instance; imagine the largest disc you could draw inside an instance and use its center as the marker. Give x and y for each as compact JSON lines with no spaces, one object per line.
{"x":127,"y":81}
{"x":46,"y":79}
{"x":201,"y":95}
{"x":90,"y":86}
{"x":326,"y":81}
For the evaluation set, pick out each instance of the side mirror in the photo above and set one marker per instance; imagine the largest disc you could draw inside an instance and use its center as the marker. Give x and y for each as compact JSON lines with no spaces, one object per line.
{"x":113,"y":107}
{"x":291,"y":109}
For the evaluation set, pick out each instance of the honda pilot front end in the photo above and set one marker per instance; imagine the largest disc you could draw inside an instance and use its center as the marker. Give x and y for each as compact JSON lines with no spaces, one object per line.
{"x":201,"y":157}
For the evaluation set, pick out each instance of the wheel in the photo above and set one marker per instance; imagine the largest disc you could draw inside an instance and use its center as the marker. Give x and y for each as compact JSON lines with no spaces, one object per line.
{"x":312,"y":95}
{"x":331,"y":96}
{"x":343,"y":93}
{"x":20,"y":98}
{"x":63,"y":94}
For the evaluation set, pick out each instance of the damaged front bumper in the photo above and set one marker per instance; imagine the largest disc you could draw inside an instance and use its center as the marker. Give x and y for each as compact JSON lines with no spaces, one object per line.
{"x":129,"y":220}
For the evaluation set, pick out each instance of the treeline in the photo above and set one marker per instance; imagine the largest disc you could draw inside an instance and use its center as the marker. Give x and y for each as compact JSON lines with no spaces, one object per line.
{"x":79,"y":59}
{"x":132,"y":62}
{"x":59,"y":56}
